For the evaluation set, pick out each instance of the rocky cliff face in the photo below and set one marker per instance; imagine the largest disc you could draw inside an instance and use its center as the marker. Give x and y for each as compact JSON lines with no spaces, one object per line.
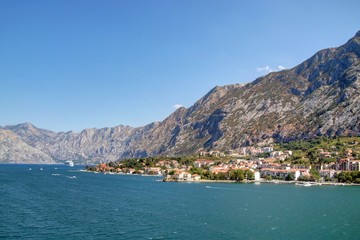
{"x":85,"y":147}
{"x":14,"y":150}
{"x":321,"y":96}
{"x":318,"y":97}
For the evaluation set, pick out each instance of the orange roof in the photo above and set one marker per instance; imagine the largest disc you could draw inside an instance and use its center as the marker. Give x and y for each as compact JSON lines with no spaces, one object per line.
{"x":279,"y":170}
{"x":203,"y":160}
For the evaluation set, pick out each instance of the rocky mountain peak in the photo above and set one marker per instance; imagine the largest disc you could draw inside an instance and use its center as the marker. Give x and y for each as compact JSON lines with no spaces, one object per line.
{"x":26,"y":125}
{"x":353,"y":45}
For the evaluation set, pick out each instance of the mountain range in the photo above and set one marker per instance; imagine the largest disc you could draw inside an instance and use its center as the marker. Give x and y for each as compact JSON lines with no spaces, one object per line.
{"x":319,"y":97}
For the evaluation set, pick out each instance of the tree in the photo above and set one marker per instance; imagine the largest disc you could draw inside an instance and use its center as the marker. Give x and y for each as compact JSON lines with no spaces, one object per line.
{"x":327,"y":160}
{"x":327,"y":178}
{"x":221,"y":176}
{"x":207,"y":175}
{"x":250,"y":175}
{"x":268,"y":177}
{"x":263,"y":155}
{"x":290,"y":176}
{"x":312,"y":155}
{"x":195,"y":170}
{"x":237,"y":175}
{"x":344,"y":177}
{"x":315,"y":175}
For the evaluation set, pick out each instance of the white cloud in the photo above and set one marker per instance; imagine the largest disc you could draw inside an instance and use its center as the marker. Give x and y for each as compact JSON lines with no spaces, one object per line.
{"x":177,"y":106}
{"x":266,"y":69}
{"x":280,"y":67}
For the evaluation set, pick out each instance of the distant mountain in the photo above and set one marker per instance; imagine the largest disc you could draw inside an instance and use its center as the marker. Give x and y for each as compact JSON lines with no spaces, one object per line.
{"x":14,"y":150}
{"x":85,"y":147}
{"x":319,"y":97}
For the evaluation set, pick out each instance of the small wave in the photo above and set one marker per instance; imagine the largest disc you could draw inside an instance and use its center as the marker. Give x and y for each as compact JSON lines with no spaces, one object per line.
{"x":235,"y":188}
{"x":55,"y":174}
{"x":223,"y":188}
{"x":72,"y":177}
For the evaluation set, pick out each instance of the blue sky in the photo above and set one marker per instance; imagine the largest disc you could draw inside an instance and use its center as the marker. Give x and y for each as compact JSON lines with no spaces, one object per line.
{"x":69,"y":65}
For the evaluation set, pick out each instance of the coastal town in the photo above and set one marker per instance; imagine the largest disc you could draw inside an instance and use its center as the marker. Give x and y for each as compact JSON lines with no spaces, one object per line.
{"x":324,"y":160}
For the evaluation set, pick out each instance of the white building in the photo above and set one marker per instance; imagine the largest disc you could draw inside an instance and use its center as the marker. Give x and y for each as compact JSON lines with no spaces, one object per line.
{"x":196,"y":177}
{"x":257,"y":176}
{"x":267,"y":149}
{"x":202,"y":163}
{"x":288,"y":152}
{"x":279,"y":173}
{"x":182,"y":176}
{"x":355,"y":165}
{"x":327,"y":173}
{"x":276,"y":154}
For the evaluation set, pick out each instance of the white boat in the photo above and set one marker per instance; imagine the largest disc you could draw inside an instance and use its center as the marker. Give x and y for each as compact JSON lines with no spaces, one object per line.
{"x":69,"y":163}
{"x":307,"y":184}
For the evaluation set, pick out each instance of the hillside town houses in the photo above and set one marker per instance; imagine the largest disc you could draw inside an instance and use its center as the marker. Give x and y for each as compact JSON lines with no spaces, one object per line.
{"x":262,"y":162}
{"x":261,"y":167}
{"x":269,"y":166}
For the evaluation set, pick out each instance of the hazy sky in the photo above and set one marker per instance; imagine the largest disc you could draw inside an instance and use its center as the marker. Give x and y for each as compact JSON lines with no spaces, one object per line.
{"x":72,"y":64}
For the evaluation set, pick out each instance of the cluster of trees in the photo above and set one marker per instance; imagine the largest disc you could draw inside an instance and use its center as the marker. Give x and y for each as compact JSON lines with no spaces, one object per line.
{"x":141,"y":163}
{"x":236,"y":175}
{"x":348,"y":177}
{"x":307,"y":152}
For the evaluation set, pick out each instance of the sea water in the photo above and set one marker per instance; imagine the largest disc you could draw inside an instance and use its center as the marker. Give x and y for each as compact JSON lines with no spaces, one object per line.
{"x":60,"y":202}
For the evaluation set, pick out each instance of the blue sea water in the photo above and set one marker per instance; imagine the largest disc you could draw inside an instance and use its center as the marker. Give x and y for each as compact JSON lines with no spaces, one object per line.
{"x":60,"y":202}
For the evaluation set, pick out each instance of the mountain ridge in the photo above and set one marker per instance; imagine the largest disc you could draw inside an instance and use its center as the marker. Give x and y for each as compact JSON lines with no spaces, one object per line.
{"x":318,"y":97}
{"x":15,"y":150}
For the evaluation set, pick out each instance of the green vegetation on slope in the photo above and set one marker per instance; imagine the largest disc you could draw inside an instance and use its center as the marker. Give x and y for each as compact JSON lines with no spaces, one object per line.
{"x":309,"y":152}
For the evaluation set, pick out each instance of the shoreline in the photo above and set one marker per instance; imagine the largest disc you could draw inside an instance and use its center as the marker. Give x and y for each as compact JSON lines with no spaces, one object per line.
{"x":299,"y":183}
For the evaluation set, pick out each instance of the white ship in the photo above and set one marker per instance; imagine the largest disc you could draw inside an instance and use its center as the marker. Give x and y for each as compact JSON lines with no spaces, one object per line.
{"x":69,"y":163}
